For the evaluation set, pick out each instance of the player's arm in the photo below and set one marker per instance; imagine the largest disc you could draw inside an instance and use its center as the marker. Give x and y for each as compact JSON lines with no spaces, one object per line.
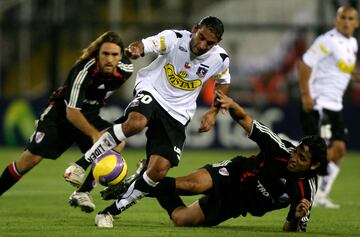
{"x":135,"y":50}
{"x":294,"y":221}
{"x":75,"y":116}
{"x":304,"y":77}
{"x":237,"y":112}
{"x":158,"y":44}
{"x":208,"y":119}
{"x":355,"y":75}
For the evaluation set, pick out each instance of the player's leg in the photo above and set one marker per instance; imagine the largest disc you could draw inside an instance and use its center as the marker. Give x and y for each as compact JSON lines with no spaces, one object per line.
{"x":191,"y":215}
{"x":138,"y":112}
{"x":15,"y":170}
{"x":336,"y":132}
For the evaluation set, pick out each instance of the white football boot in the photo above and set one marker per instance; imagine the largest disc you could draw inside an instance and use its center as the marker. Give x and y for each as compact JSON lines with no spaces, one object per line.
{"x":82,"y":200}
{"x":74,"y":174}
{"x":104,"y":220}
{"x":321,"y":200}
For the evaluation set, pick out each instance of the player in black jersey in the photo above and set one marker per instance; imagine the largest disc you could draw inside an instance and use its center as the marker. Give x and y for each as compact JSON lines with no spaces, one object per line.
{"x":278,"y":176}
{"x":72,"y":113}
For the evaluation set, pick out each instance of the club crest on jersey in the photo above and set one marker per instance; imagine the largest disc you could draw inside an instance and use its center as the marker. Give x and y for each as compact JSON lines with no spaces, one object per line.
{"x":187,"y":65}
{"x":39,"y":136}
{"x":178,"y":81}
{"x":202,"y":70}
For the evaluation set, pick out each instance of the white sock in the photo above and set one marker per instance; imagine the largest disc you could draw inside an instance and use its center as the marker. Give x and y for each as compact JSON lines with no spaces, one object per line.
{"x":105,"y":143}
{"x":119,"y":132}
{"x":326,"y":182}
{"x":129,"y":198}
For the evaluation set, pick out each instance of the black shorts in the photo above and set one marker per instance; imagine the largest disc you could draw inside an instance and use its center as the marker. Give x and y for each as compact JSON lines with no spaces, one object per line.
{"x":54,"y":134}
{"x":222,"y":202}
{"x":165,"y":135}
{"x":329,"y":124}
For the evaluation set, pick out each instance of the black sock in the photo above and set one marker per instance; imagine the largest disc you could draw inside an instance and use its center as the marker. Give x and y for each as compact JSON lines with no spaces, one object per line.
{"x":112,"y":209}
{"x":87,"y":185}
{"x":9,"y":177}
{"x":170,"y":202}
{"x":83,"y":163}
{"x":143,"y":186}
{"x":165,"y":186}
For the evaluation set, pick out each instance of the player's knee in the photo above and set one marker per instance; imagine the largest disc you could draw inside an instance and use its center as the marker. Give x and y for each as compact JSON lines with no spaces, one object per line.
{"x":339,"y":150}
{"x":134,"y":124}
{"x":178,"y":218}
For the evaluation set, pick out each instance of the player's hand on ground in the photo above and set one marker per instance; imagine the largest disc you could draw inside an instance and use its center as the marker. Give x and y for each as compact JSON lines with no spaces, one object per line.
{"x":302,"y":208}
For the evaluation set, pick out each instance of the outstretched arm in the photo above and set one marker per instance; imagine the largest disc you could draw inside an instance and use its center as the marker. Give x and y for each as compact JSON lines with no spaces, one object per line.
{"x":237,"y":112}
{"x":208,"y":119}
{"x":304,"y":77}
{"x":302,"y":210}
{"x":135,"y":50}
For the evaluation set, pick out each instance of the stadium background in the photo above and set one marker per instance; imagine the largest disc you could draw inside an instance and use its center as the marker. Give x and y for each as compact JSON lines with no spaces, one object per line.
{"x":40,"y":41}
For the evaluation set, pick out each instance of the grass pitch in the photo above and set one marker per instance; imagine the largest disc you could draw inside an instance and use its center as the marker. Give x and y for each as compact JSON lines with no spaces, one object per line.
{"x":37,"y":205}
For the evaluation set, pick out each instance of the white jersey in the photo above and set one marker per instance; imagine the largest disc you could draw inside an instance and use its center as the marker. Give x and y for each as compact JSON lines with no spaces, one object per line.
{"x":174,"y":78}
{"x":332,"y":58}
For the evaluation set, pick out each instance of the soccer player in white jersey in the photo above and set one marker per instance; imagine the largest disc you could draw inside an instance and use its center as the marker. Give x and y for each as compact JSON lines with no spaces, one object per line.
{"x":324,"y":73}
{"x":165,"y":101}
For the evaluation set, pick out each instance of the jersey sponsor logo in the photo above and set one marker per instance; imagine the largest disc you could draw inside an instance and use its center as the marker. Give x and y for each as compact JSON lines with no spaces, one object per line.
{"x":177,"y":80}
{"x":39,"y":136}
{"x":223,"y":171}
{"x":262,"y":190}
{"x":202,"y":70}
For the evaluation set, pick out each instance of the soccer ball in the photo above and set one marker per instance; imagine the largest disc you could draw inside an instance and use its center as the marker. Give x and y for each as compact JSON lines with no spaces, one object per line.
{"x":110,"y":168}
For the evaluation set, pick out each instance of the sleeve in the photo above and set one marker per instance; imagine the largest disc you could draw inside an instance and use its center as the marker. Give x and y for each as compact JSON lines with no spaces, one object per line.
{"x":161,"y":43}
{"x":126,"y":67}
{"x":305,"y":188}
{"x":223,"y":76}
{"x":321,"y":48}
{"x":267,"y":140}
{"x":77,"y":83}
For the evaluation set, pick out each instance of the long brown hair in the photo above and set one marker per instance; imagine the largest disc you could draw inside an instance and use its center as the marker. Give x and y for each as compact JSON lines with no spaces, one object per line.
{"x":93,"y":49}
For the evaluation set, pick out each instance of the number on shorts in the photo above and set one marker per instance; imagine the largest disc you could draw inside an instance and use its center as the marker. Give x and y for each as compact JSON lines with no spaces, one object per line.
{"x":145,"y":99}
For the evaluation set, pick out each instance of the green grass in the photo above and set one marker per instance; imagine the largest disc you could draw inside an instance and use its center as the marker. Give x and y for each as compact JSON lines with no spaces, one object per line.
{"x":37,"y":205}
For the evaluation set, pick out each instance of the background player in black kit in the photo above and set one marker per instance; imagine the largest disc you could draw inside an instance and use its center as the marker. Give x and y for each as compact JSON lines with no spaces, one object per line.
{"x":72,"y":114}
{"x":278,"y":176}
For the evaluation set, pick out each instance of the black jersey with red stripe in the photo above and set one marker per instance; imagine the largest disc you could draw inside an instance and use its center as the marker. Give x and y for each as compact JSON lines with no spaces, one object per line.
{"x":264,"y":182}
{"x":87,"y":89}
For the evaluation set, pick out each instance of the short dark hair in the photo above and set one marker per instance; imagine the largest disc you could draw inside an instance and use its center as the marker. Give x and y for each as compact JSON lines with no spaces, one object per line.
{"x":214,"y":24}
{"x":318,"y":151}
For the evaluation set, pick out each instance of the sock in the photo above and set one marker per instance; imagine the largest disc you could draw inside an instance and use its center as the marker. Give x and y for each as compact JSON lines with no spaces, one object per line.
{"x":88,"y":184}
{"x":136,"y":191}
{"x":170,"y":202}
{"x":9,"y":177}
{"x":166,"y":186}
{"x":82,"y":162}
{"x":326,"y":182}
{"x":105,"y":143}
{"x":117,"y":132}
